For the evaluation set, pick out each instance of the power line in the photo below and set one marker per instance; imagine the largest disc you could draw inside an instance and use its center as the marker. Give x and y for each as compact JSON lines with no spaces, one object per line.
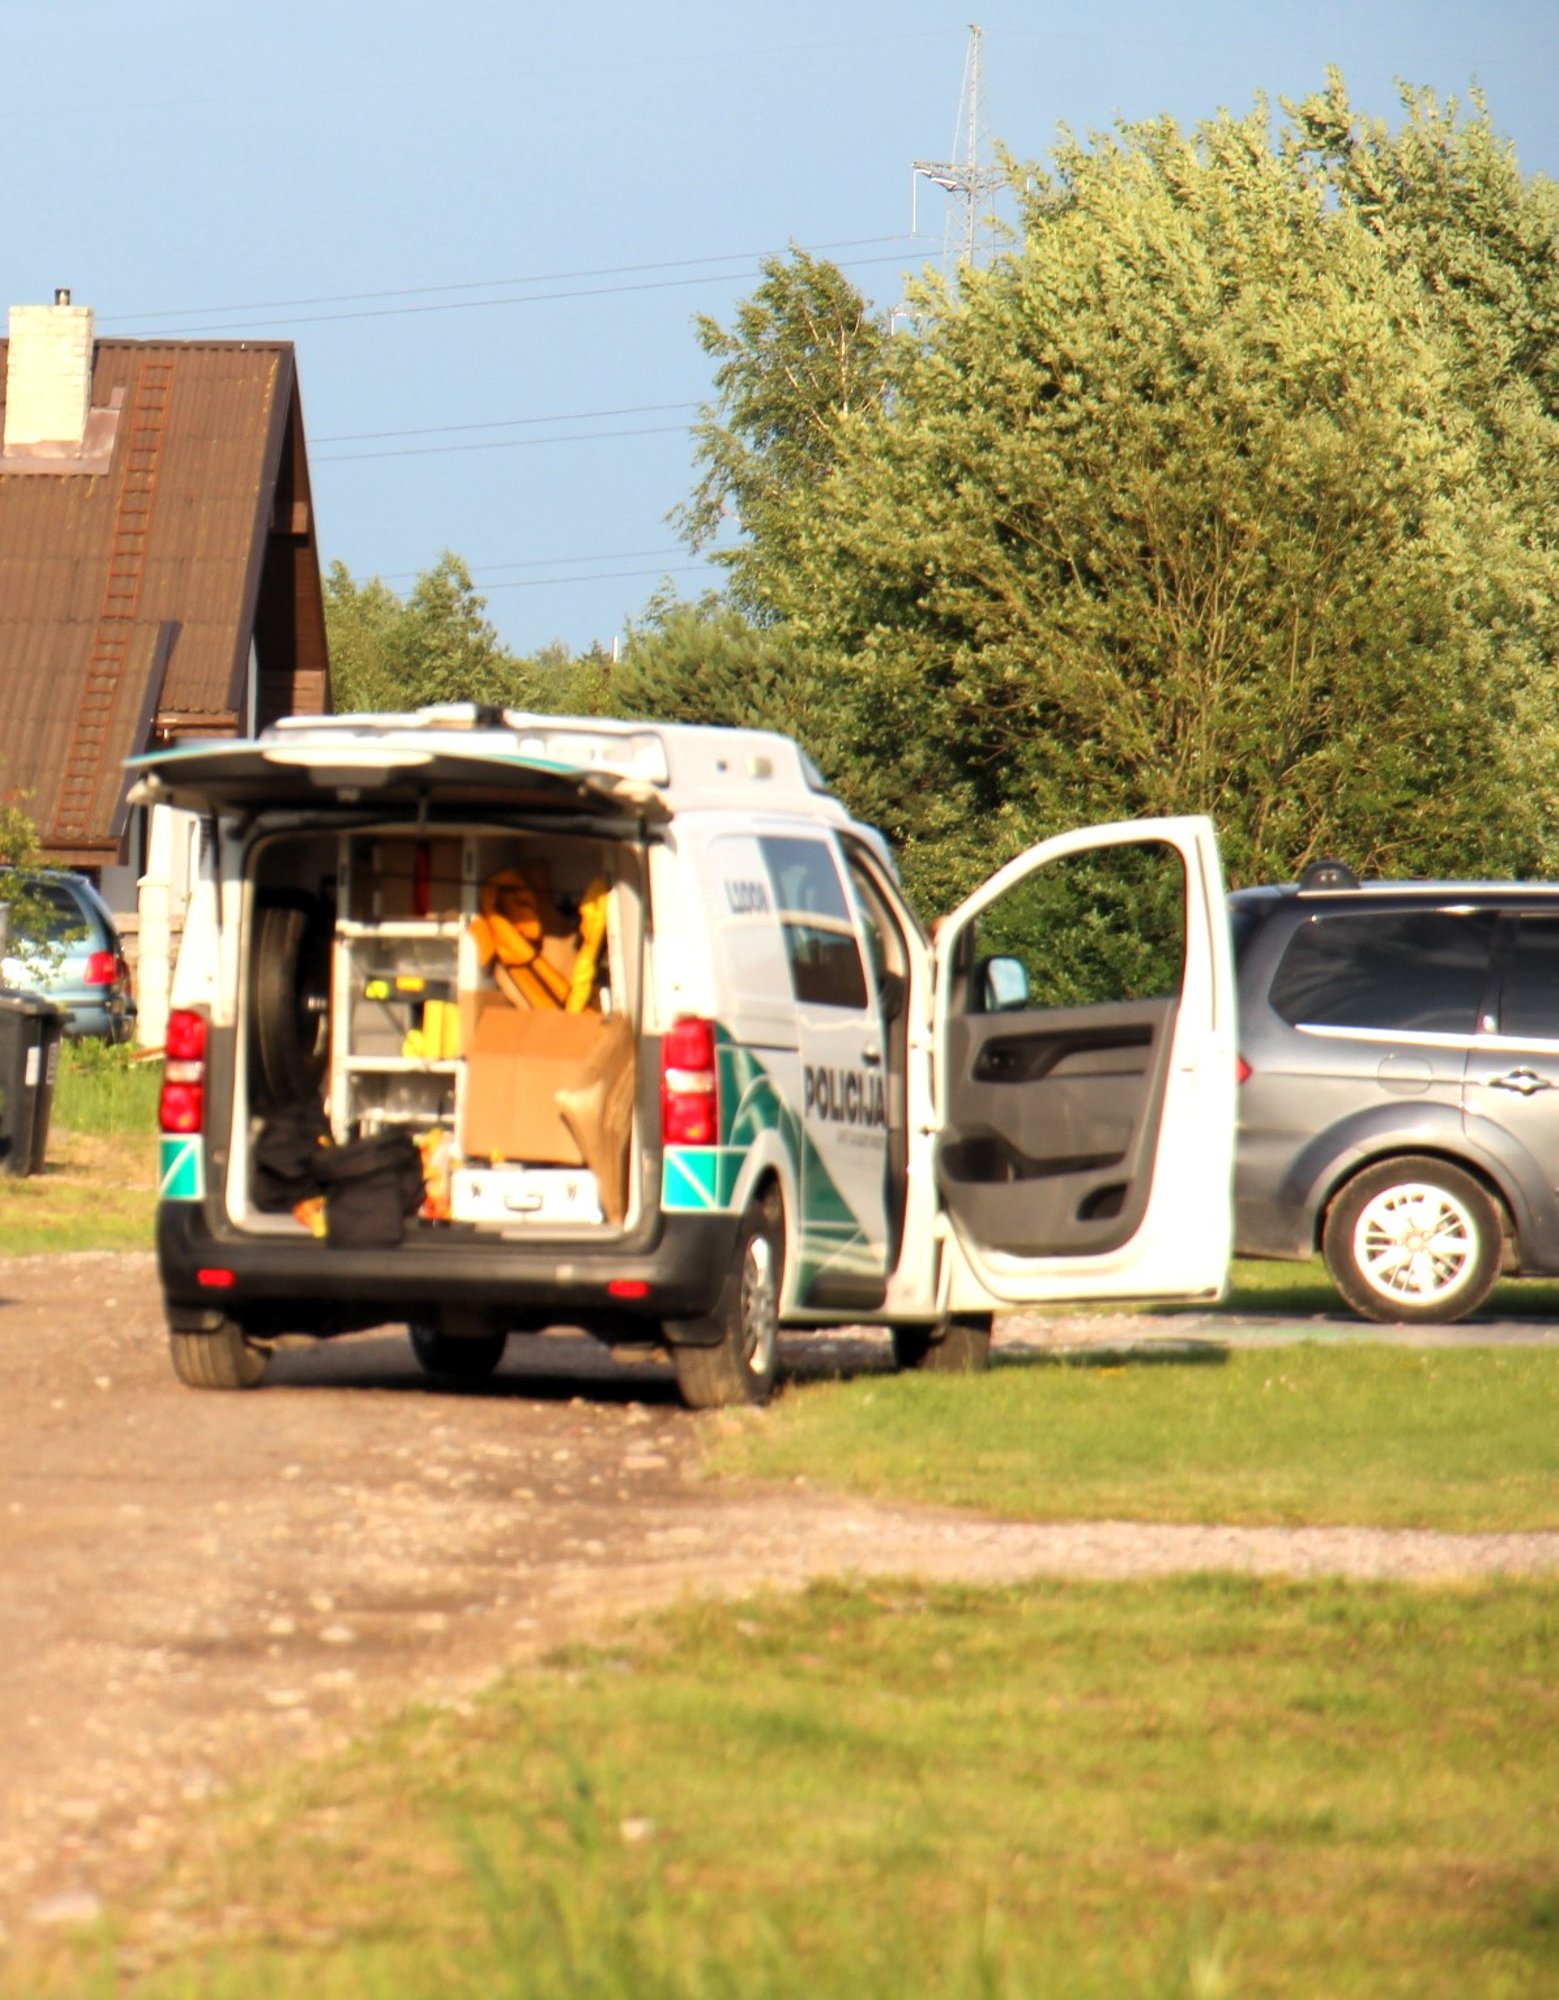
{"x":484,"y":305}
{"x":494,"y":444}
{"x":546,"y":562}
{"x":604,"y":576}
{"x":490,"y":284}
{"x":501,"y":423}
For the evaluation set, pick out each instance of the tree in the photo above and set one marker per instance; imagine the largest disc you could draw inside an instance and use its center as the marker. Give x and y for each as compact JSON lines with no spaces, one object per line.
{"x":707,"y":662}
{"x":25,"y":916}
{"x":435,"y":645}
{"x":1192,"y":502}
{"x":805,"y":353}
{"x":1445,"y":196}
{"x":19,"y":845}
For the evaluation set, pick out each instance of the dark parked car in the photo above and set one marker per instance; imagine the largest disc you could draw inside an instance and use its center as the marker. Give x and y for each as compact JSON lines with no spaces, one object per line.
{"x":74,"y":956}
{"x":1399,"y":1099}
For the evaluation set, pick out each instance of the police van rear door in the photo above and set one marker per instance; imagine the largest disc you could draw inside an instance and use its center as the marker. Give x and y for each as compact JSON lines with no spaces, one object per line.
{"x":1085,"y":1072}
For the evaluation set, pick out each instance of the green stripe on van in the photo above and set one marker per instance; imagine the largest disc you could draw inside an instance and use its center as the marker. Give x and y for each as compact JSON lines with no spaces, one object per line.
{"x":182,"y":1176}
{"x":700,"y":1178}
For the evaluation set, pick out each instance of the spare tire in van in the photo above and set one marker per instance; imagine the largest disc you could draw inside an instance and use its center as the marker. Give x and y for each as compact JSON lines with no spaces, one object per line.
{"x":289,"y":997}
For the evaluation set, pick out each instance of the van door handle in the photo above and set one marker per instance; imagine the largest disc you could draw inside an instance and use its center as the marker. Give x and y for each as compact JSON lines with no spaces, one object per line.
{"x":1526,"y":1081}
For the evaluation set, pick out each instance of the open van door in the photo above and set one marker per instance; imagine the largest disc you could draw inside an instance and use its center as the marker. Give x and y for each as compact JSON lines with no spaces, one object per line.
{"x":1085,"y":1073}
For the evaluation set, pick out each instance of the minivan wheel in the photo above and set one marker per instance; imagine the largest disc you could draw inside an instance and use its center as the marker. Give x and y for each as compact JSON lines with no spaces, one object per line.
{"x":742,"y":1364}
{"x":1413,"y":1240}
{"x":456,"y":1357}
{"x":222,"y":1359}
{"x":958,"y":1345}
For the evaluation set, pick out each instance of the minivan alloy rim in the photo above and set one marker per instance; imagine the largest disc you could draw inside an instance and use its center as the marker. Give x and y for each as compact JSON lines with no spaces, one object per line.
{"x":760,"y":1305}
{"x":1415,"y":1242}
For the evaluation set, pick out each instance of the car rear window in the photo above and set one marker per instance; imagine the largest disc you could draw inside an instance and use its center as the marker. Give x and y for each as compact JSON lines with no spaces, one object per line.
{"x":1416,"y":971}
{"x":63,"y":919}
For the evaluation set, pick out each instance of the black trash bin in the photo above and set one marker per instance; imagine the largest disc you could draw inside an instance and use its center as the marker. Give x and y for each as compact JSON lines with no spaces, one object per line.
{"x":30,"y":1033}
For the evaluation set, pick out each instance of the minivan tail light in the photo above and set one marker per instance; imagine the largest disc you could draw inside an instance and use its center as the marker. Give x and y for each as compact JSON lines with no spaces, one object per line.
{"x":182,"y":1106}
{"x":1242,"y":1070}
{"x":689,"y":1101}
{"x":102,"y":968}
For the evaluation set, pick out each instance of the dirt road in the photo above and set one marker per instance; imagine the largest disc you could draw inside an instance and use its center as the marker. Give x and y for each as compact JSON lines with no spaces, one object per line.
{"x":192,"y":1582}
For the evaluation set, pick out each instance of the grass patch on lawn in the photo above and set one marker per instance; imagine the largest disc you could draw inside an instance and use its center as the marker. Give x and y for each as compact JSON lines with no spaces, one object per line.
{"x":1449,"y":1438}
{"x":95,"y":1193}
{"x":1266,"y":1286}
{"x":1209,"y":1786}
{"x":98,"y":1187}
{"x":105,"y":1091}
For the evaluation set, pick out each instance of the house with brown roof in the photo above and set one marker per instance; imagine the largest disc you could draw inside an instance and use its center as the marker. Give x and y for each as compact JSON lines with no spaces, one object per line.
{"x":159,"y":572}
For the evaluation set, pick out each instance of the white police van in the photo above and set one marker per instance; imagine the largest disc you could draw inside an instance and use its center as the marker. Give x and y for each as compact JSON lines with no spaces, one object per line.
{"x":679,"y":1063}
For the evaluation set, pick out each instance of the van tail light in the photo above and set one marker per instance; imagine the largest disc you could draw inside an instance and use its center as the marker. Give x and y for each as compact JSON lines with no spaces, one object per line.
{"x":689,"y":1103}
{"x":102,"y":968}
{"x":182,"y":1106}
{"x":1242,"y":1070}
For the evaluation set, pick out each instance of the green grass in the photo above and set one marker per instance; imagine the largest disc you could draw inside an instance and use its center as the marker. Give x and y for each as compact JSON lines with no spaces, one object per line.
{"x":1194,"y":1788}
{"x":1305,"y":1291}
{"x":1457,"y":1438}
{"x":95,"y":1193}
{"x":98,"y":1187}
{"x":105,"y":1092}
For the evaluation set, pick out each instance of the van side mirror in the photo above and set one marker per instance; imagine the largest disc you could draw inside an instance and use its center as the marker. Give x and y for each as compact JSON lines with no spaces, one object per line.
{"x":1001,"y":985}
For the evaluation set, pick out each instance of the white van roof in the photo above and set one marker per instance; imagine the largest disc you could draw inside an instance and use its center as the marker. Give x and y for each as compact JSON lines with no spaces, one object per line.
{"x":676,"y":767}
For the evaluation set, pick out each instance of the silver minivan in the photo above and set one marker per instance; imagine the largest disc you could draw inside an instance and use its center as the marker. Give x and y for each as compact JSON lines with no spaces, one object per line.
{"x":1399,"y":1085}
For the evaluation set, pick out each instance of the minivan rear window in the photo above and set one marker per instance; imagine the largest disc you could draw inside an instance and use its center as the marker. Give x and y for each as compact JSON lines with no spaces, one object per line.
{"x":1414,"y":971}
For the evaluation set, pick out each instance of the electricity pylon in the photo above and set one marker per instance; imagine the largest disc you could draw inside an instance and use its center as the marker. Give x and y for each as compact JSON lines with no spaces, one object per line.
{"x":964,"y":176}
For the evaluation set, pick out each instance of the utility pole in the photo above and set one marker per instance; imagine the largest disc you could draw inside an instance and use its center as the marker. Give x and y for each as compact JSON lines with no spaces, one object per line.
{"x":963,"y":175}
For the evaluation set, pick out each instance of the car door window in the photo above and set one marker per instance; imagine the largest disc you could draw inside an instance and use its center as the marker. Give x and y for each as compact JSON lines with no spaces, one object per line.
{"x":1089,"y":930}
{"x":1529,"y":992}
{"x":1408,"y":971}
{"x":815,"y":918}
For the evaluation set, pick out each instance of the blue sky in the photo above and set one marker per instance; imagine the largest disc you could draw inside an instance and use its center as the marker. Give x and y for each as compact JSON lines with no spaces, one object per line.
{"x":488,"y":225}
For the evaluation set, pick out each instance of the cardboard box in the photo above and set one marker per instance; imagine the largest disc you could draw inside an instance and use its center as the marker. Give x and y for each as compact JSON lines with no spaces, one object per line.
{"x":516,"y":1062}
{"x":393,"y":880}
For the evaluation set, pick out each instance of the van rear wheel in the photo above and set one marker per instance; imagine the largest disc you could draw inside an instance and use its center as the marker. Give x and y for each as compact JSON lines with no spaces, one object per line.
{"x":957,"y":1345}
{"x":222,"y":1359}
{"x":743,"y":1362}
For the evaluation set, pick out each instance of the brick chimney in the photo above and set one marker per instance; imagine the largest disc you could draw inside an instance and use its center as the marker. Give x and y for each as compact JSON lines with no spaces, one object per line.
{"x":48,"y":382}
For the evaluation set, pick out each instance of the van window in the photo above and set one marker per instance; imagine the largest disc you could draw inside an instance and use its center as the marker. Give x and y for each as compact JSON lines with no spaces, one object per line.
{"x":1092,"y":929}
{"x":1529,"y":1002}
{"x":1416,"y":971}
{"x":819,"y":931}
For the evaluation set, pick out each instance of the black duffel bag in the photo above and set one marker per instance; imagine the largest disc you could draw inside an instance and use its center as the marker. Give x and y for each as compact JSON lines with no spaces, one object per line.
{"x":285,"y":1156}
{"x":371,"y":1186}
